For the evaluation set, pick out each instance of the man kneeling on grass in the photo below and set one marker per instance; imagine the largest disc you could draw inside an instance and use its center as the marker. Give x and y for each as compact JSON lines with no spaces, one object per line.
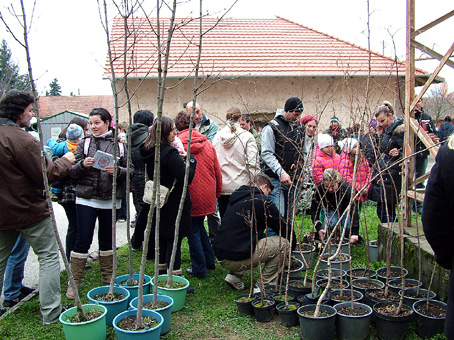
{"x":242,"y":231}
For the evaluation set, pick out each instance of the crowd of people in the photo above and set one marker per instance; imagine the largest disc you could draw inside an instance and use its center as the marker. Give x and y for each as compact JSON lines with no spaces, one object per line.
{"x":246,"y":184}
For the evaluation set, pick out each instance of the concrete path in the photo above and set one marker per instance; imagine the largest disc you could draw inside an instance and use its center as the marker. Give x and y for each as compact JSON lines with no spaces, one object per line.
{"x":32,"y":267}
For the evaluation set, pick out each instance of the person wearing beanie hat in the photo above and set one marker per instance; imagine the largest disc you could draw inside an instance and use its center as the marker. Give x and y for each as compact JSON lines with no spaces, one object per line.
{"x":325,"y":157}
{"x":282,"y":139}
{"x":336,"y":131}
{"x":74,"y":133}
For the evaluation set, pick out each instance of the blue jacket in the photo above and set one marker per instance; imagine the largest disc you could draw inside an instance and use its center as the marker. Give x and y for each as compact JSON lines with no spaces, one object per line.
{"x":58,"y":147}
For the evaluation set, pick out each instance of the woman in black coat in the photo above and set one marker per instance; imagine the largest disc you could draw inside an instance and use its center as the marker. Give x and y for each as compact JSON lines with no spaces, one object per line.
{"x":437,"y":219}
{"x":386,"y":187}
{"x":172,"y":175}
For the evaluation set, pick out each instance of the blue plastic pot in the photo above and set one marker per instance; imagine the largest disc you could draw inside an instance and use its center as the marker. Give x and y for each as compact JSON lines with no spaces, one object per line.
{"x":94,"y":329}
{"x":177,"y":294}
{"x":113,"y":308}
{"x":134,"y":290}
{"x":145,"y":334}
{"x":166,"y":312}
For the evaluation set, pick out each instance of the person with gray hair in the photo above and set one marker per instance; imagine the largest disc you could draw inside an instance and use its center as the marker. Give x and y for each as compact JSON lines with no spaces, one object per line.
{"x":331,"y":198}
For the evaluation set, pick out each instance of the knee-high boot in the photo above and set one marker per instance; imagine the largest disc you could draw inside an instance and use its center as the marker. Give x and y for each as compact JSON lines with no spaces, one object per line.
{"x":106,"y":264}
{"x":78,"y":261}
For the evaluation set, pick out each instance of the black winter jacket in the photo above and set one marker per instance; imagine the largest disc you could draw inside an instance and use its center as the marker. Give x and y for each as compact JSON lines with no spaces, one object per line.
{"x":445,"y":130}
{"x":438,"y":206}
{"x":172,"y":167}
{"x":233,"y":240}
{"x":138,"y":135}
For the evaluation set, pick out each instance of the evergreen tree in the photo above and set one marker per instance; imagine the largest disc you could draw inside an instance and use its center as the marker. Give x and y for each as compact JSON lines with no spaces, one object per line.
{"x":55,"y":88}
{"x":9,"y":72}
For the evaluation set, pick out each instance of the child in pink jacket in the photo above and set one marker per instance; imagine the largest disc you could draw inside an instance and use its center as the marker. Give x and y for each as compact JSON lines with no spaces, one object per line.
{"x":350,"y":147}
{"x":325,"y":157}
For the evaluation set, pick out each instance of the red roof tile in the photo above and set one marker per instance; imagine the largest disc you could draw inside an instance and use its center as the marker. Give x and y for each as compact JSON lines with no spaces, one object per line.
{"x":244,"y":47}
{"x":51,"y":105}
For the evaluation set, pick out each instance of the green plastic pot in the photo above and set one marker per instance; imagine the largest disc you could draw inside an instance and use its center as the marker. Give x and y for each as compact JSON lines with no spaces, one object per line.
{"x":166,"y":312}
{"x":94,"y":329}
{"x":134,"y":290}
{"x":113,"y":308}
{"x":177,"y":294}
{"x":145,"y":334}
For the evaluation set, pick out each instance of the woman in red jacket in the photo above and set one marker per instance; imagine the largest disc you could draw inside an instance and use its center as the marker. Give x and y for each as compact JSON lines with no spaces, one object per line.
{"x":205,"y":188}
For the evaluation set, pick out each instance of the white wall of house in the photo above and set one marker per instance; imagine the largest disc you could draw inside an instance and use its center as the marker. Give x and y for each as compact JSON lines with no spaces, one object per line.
{"x":322,"y":96}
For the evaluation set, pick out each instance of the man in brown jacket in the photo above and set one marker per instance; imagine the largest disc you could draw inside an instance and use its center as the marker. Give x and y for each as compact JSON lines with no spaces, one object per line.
{"x":24,"y":206}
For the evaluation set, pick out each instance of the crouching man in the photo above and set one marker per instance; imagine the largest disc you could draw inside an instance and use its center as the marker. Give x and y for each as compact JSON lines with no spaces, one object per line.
{"x":242,"y":233}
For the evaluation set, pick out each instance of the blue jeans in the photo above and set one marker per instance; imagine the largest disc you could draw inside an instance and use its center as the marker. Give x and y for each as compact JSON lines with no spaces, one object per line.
{"x":71,"y":234}
{"x":86,"y":220}
{"x":420,"y":169}
{"x":200,"y":249}
{"x":386,"y":217}
{"x":281,"y":196}
{"x":332,"y":218}
{"x":14,"y":271}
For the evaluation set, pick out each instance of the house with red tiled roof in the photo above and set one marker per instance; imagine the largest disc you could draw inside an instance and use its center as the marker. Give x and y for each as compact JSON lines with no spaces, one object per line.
{"x":255,"y":64}
{"x":52,"y":105}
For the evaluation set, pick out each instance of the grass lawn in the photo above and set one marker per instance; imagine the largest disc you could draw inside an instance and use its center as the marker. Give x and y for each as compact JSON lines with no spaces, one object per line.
{"x":210,"y":313}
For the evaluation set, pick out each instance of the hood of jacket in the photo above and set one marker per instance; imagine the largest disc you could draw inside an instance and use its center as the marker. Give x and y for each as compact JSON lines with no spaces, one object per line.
{"x":227,"y":138}
{"x":396,"y":127}
{"x":445,"y":126}
{"x":197,"y":141}
{"x":7,"y":121}
{"x":244,"y":192}
{"x":138,"y":134}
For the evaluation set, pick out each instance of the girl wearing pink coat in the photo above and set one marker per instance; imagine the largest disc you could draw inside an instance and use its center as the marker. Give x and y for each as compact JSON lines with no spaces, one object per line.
{"x":325,"y":157}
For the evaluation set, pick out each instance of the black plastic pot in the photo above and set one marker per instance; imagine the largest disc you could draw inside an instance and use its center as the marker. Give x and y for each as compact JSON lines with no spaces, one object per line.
{"x":391,"y":327}
{"x":410,"y":295}
{"x":244,"y":307}
{"x":288,"y":317}
{"x":381,"y":273}
{"x":371,"y":301}
{"x":335,"y":273}
{"x":322,"y":283}
{"x":359,"y":273}
{"x":358,"y":284}
{"x":357,"y":296}
{"x":307,"y":254}
{"x":299,"y":291}
{"x":266,"y":313}
{"x":426,"y":326}
{"x":321,"y":328}
{"x":396,"y":285}
{"x":336,"y":264}
{"x":308,"y":299}
{"x":373,"y":250}
{"x":352,"y":327}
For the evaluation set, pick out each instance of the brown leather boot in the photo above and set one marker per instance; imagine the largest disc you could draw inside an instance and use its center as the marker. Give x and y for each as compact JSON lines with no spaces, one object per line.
{"x":78,"y":262}
{"x":106,"y":265}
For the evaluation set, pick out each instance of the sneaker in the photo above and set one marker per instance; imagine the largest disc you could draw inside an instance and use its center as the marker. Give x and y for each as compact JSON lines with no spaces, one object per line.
{"x":13,"y":302}
{"x":54,"y":197}
{"x":64,"y":308}
{"x":26,"y":290}
{"x":234,"y":282}
{"x":190,"y":290}
{"x":256,"y":290}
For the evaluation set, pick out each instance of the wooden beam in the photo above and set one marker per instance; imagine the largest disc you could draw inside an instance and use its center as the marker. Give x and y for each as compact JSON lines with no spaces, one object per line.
{"x":415,"y":195}
{"x":432,"y":77}
{"x":424,"y":137}
{"x":420,"y":179}
{"x":431,"y":52}
{"x":432,"y":24}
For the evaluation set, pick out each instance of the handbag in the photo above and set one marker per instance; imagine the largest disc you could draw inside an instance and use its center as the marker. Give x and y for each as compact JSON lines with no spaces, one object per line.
{"x":164,"y":193}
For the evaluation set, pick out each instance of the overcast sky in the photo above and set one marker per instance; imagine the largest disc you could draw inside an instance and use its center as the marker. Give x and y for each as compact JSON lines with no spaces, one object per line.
{"x":67,"y":40}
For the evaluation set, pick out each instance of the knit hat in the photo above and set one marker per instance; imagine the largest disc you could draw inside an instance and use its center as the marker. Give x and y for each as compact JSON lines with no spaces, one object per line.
{"x":347,"y":144}
{"x":324,"y":140}
{"x":74,"y":133}
{"x":293,"y":104}
{"x":334,"y":119}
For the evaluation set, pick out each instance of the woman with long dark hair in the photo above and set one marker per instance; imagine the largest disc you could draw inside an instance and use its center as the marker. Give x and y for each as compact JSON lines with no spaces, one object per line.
{"x":94,"y":196}
{"x":172,"y":171}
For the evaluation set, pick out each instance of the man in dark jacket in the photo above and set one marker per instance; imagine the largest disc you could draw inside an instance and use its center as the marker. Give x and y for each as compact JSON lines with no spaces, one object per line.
{"x":242,"y":233}
{"x":331,"y":198}
{"x":446,"y":129}
{"x":25,"y":208}
{"x":438,"y":222}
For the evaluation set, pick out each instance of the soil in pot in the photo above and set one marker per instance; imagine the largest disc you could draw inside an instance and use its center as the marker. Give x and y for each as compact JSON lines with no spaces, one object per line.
{"x":129,"y":323}
{"x":411,"y":295}
{"x":323,"y":273}
{"x":174,"y":285}
{"x":89,"y":314}
{"x":396,"y":284}
{"x":390,"y":309}
{"x":352,"y":320}
{"x":159,"y":304}
{"x":340,"y":258}
{"x":317,"y":328}
{"x":394,"y":273}
{"x":431,"y":309}
{"x":379,"y":295}
{"x":365,"y":283}
{"x":357,"y":273}
{"x":243,"y":303}
{"x":133,"y":283}
{"x":335,"y":284}
{"x":345,"y":295}
{"x":109,"y":297}
{"x":263,"y":309}
{"x":352,"y":311}
{"x":281,"y":298}
{"x":297,"y":287}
